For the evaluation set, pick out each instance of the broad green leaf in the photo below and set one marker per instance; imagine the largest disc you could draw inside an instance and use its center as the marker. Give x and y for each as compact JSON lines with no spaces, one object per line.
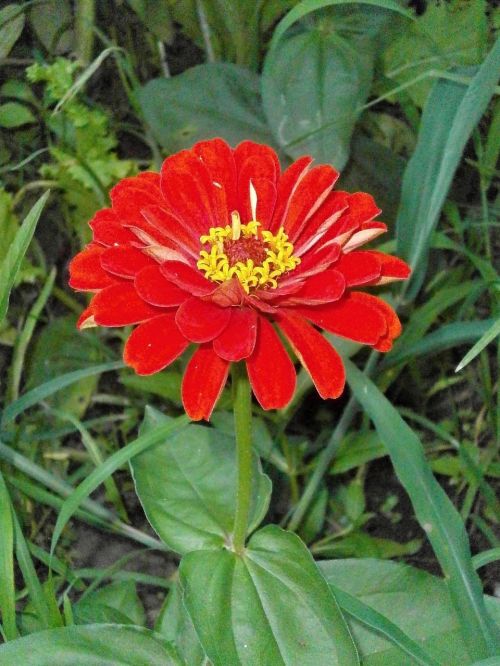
{"x":110,"y":465}
{"x":18,"y":248}
{"x":434,"y":511}
{"x":156,"y":17}
{"x":11,"y":27}
{"x":305,"y":7}
{"x":51,"y":21}
{"x":60,"y":348}
{"x":356,"y":449}
{"x":450,"y":114}
{"x":109,"y":603}
{"x":175,"y":625}
{"x":13,"y":114}
{"x":447,"y":34}
{"x":492,"y":331}
{"x":90,"y":645}
{"x":187,"y":486}
{"x":413,"y":600}
{"x":361,"y":544}
{"x":269,"y":606}
{"x":313,"y":86}
{"x":203,"y":102}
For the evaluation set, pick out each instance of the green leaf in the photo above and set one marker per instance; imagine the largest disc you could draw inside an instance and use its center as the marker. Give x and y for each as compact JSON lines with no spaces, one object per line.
{"x":156,"y":17}
{"x":434,"y":511}
{"x":175,"y":625}
{"x":360,"y":544}
{"x":61,"y":348}
{"x":204,"y":101}
{"x":417,"y":603}
{"x":92,"y":645}
{"x":445,"y":337}
{"x":12,"y":262}
{"x":187,"y":486}
{"x":447,"y":34}
{"x":117,"y":600}
{"x":11,"y":27}
{"x":47,"y":389}
{"x":490,"y":334}
{"x":7,"y":583}
{"x":307,"y":6}
{"x":450,"y":114}
{"x":13,"y":114}
{"x":51,"y":21}
{"x":313,"y":86}
{"x":356,"y":449}
{"x":110,"y":465}
{"x":269,"y":606}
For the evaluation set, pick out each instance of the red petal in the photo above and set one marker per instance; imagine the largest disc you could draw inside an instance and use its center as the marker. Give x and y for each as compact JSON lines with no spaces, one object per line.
{"x":321,"y":222}
{"x":359,"y":267}
{"x":86,"y":272}
{"x":201,"y":321}
{"x":266,"y":198}
{"x":316,"y":260}
{"x":107,"y":230}
{"x":367,"y":233}
{"x":270,"y":369}
{"x":154,"y":345}
{"x":286,"y":187}
{"x":179,"y":234}
{"x":237,"y":341}
{"x":264,"y":160}
{"x":324,"y":287}
{"x":217,"y":156}
{"x":185,"y":277}
{"x":362,"y":209}
{"x":393,"y":268}
{"x":125,"y":261}
{"x":120,"y":305}
{"x":130,"y":195}
{"x":393,"y":325}
{"x":353,"y":317}
{"x":156,"y":289}
{"x":188,"y":189}
{"x":308,"y":197}
{"x":316,"y":354}
{"x":203,"y":382}
{"x":86,"y":319}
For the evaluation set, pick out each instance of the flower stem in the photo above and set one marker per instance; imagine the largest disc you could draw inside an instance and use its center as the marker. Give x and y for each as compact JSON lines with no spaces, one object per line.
{"x":242,"y":398}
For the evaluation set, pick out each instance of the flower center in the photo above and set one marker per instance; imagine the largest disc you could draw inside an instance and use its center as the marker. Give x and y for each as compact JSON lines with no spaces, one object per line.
{"x":257,"y":258}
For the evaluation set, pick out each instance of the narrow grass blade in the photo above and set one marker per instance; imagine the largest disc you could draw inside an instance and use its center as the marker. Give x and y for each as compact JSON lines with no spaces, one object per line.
{"x":487,"y":557}
{"x":450,"y":114}
{"x":7,"y":584}
{"x":49,"y":388}
{"x":115,"y":461}
{"x":375,"y":620}
{"x":12,"y":262}
{"x":46,"y":610}
{"x":434,"y":511}
{"x":485,"y":340}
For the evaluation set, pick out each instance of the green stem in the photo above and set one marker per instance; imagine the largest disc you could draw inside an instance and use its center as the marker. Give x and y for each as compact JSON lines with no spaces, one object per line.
{"x":243,"y":429}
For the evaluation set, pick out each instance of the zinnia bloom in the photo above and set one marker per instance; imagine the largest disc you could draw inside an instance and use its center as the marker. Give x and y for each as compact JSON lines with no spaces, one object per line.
{"x":221,"y":249}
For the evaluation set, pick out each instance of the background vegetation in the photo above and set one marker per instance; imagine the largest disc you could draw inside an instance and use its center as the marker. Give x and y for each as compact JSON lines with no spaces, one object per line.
{"x":405,"y":104}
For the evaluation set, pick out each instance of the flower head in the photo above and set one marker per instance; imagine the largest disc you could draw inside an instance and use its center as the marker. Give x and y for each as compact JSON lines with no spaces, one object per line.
{"x":221,"y":249}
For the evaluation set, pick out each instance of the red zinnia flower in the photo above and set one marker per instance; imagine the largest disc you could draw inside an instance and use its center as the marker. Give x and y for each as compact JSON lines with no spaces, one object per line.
{"x":221,"y":247}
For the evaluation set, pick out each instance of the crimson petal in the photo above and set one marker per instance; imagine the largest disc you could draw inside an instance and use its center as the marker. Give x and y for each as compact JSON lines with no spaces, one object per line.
{"x":86,"y":271}
{"x":237,"y":341}
{"x":316,"y":354}
{"x":359,"y":267}
{"x":354,"y":317}
{"x":154,"y":345}
{"x":125,"y":261}
{"x":107,"y":229}
{"x":203,"y":382}
{"x":155,"y":289}
{"x":120,"y":305}
{"x":201,"y":321}
{"x":270,"y":369}
{"x":187,"y":278}
{"x":323,"y":287}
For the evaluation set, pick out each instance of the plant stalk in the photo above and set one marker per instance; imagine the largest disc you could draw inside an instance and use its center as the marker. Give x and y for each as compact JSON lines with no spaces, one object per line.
{"x":242,"y":400}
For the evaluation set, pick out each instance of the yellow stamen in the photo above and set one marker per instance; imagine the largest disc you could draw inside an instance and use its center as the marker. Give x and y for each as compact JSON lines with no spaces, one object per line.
{"x":215,"y":263}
